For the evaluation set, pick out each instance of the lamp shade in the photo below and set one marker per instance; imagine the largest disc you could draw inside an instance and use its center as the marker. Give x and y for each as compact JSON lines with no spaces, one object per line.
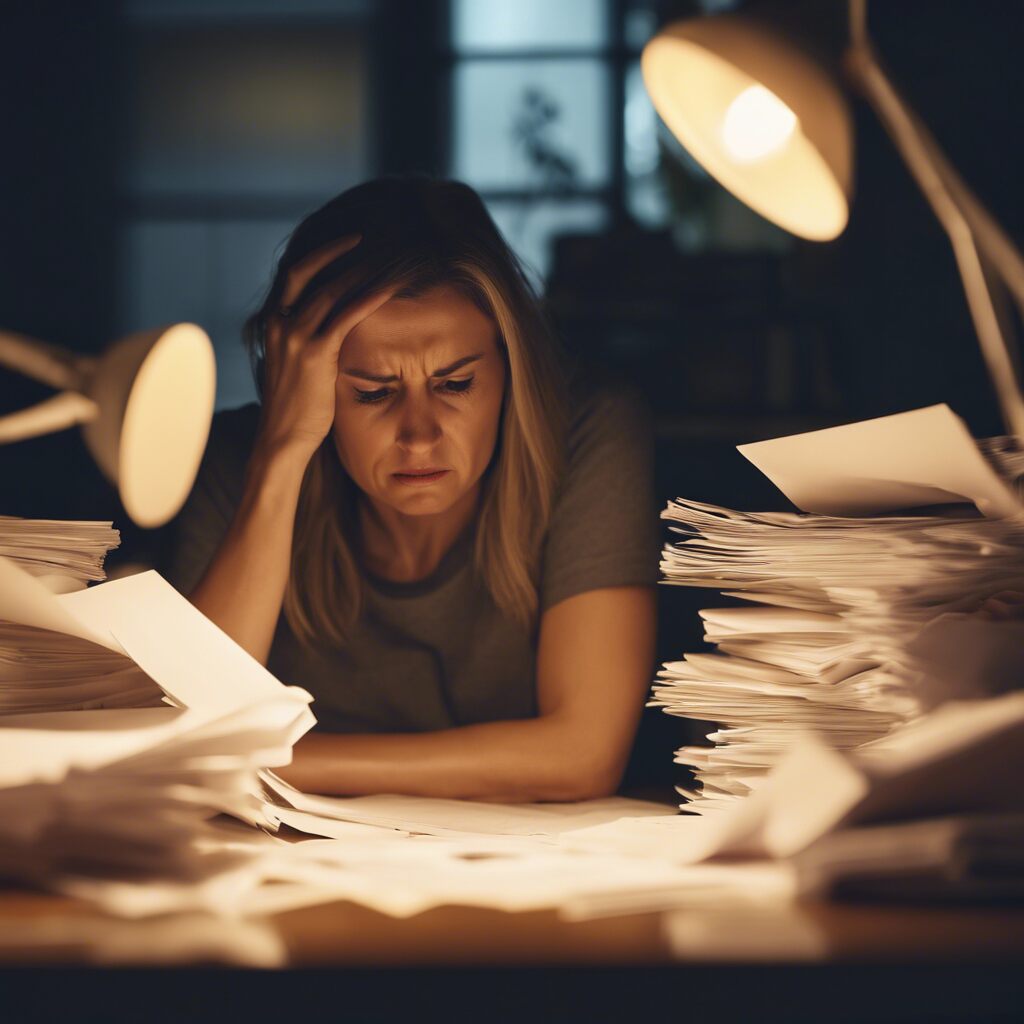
{"x":760,"y":116}
{"x":155,"y":394}
{"x":145,"y":407}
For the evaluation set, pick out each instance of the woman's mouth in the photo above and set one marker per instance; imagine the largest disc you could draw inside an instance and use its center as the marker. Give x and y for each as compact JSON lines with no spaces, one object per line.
{"x":420,"y":477}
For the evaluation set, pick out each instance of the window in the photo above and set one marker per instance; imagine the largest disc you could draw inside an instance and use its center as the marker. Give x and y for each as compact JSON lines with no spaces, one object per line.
{"x":533,"y":86}
{"x":244,"y":116}
{"x":552,"y":125}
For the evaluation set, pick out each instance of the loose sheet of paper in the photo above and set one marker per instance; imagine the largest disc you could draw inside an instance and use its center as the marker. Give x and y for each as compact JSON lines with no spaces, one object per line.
{"x":923,"y":457}
{"x":453,"y":817}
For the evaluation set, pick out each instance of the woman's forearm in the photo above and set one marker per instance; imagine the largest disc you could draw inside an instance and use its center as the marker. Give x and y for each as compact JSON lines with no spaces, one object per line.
{"x":512,"y":761}
{"x":243,"y":588}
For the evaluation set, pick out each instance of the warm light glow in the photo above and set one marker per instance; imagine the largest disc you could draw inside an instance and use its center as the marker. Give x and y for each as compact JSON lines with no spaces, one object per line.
{"x":166,"y":423}
{"x":758,"y":116}
{"x":756,"y":125}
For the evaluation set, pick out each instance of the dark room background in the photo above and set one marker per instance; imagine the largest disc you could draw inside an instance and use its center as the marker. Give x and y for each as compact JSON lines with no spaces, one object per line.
{"x":156,"y":154}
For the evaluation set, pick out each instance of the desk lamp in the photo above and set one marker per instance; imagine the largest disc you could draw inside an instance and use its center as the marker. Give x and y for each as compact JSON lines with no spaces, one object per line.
{"x":773,"y":127}
{"x":144,"y":405}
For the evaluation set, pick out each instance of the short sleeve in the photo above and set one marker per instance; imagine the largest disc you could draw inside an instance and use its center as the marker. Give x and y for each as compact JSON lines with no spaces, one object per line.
{"x":207,"y":513}
{"x":604,"y":529}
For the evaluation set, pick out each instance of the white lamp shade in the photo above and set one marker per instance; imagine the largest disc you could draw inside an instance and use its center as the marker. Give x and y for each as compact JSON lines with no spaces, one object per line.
{"x":154,"y":392}
{"x":760,"y":116}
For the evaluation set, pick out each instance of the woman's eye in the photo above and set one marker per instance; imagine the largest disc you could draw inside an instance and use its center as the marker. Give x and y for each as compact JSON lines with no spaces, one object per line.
{"x":369,"y":397}
{"x":457,"y":387}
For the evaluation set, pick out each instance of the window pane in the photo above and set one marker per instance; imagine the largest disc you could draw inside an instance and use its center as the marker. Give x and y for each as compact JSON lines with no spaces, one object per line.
{"x":641,"y":24}
{"x":531,"y":227}
{"x":531,"y":124}
{"x":247,"y":110}
{"x":212,"y":273}
{"x":529,"y":24}
{"x":647,"y":197}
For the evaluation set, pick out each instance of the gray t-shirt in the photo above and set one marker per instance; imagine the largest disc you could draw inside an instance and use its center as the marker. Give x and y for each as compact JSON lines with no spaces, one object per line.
{"x":438,"y":653}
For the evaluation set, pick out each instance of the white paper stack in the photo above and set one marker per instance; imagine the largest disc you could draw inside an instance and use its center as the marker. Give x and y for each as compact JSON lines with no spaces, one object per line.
{"x":42,"y":667}
{"x":836,"y":601}
{"x":65,"y":554}
{"x":42,"y":670}
{"x":934,"y":810}
{"x":132,"y":791}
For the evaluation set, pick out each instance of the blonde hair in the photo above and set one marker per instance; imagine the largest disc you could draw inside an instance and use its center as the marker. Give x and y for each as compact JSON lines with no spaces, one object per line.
{"x":420,"y":234}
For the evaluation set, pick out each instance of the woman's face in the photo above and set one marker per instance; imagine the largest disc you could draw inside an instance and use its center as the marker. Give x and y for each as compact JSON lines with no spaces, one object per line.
{"x":418,"y":401}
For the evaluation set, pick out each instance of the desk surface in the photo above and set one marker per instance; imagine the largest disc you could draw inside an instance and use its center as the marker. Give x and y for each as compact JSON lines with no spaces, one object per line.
{"x":724,"y":963}
{"x":346,"y":935}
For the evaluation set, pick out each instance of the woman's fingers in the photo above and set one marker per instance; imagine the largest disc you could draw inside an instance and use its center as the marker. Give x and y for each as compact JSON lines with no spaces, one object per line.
{"x":305,"y":270}
{"x":330,"y":335}
{"x":275,"y":327}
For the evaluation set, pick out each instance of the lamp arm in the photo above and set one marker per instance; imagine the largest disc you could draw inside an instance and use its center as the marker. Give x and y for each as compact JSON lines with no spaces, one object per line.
{"x":919,"y":154}
{"x":1004,"y":257}
{"x":46,"y":363}
{"x":990,"y":238}
{"x":68,"y":409}
{"x":55,"y":367}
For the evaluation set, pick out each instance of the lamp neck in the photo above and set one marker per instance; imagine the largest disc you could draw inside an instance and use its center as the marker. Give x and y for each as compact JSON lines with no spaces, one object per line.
{"x":859,"y":24}
{"x":48,"y":364}
{"x":972,"y":231}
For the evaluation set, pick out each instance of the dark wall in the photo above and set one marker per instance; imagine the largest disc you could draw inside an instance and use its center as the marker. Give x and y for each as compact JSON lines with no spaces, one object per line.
{"x":61,"y":74}
{"x":59,"y":102}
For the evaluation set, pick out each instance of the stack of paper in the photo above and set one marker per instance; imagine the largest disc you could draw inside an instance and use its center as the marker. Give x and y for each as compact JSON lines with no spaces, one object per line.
{"x":934,"y":809}
{"x":132,"y":789}
{"x":442,"y":817}
{"x":48,"y":662}
{"x":64,"y":554}
{"x":41,"y":670}
{"x":826,"y":645}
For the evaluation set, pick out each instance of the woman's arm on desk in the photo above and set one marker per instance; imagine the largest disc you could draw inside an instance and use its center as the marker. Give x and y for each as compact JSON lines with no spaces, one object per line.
{"x":594,"y":661}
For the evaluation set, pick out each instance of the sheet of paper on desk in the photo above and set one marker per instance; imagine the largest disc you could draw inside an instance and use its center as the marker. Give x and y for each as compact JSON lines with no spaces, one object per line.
{"x":452,"y":817}
{"x":923,"y":457}
{"x":403,"y":876}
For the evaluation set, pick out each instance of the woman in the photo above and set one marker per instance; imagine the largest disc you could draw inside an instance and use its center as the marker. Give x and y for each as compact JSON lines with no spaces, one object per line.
{"x":421,"y":524}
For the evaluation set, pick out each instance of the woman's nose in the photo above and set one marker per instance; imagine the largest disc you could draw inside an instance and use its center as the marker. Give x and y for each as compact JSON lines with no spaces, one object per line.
{"x":418,"y":427}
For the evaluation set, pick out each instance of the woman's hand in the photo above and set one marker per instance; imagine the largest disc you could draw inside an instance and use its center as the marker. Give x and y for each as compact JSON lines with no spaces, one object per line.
{"x":301,"y":362}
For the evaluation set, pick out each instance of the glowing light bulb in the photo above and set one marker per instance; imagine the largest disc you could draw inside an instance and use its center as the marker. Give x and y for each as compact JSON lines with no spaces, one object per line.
{"x":756,"y":125}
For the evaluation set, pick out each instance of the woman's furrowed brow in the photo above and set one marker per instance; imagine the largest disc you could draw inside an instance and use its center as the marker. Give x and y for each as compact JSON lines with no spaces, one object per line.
{"x":457,"y":365}
{"x":444,"y":371}
{"x":366,"y":375}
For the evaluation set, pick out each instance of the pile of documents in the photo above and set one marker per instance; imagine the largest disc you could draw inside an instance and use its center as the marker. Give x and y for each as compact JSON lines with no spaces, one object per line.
{"x":64,"y":554}
{"x":102,"y":787}
{"x":932,"y":810}
{"x":829,"y":641}
{"x":48,"y":669}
